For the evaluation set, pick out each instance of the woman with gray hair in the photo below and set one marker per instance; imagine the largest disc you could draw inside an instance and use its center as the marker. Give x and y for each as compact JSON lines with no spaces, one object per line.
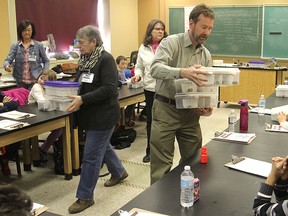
{"x":97,"y":112}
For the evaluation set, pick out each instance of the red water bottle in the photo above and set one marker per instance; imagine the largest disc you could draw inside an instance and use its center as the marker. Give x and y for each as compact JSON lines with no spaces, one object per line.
{"x":204,"y":155}
{"x":243,"y":116}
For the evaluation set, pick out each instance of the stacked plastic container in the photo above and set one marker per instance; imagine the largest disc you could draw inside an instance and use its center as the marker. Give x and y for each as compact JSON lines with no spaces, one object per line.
{"x":57,"y":93}
{"x":189,"y":95}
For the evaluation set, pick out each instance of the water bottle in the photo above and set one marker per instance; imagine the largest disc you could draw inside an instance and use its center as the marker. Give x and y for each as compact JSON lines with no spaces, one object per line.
{"x":261,"y":108}
{"x":232,"y":121}
{"x":187,"y":187}
{"x":243,"y":116}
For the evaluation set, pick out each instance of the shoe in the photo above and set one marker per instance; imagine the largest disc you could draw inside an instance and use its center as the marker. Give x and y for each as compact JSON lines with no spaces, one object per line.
{"x":111,"y":182}
{"x":142,"y":118}
{"x":146,"y":158}
{"x":43,"y":156}
{"x":5,"y":168}
{"x":80,"y":205}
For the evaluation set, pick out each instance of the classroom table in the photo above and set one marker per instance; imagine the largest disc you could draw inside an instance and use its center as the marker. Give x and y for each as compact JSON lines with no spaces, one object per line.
{"x":126,"y":97}
{"x":223,"y":191}
{"x":42,"y":122}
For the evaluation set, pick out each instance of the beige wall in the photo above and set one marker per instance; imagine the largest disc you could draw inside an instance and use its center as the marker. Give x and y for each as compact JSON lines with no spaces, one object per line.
{"x":5,"y":32}
{"x":123,"y":27}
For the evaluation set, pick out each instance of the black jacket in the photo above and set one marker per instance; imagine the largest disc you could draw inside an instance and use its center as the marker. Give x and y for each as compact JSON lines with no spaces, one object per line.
{"x":100,"y":109}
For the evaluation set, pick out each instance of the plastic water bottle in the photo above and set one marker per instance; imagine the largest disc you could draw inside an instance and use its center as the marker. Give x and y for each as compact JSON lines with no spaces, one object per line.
{"x":261,"y":108}
{"x":187,"y":187}
{"x":232,"y":121}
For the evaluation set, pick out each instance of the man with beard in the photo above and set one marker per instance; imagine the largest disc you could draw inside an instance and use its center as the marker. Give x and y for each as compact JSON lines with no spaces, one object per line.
{"x":179,"y":56}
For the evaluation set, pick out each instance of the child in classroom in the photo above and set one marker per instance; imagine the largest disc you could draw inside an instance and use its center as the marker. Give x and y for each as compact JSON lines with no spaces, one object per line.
{"x":37,"y":93}
{"x":122,"y":64}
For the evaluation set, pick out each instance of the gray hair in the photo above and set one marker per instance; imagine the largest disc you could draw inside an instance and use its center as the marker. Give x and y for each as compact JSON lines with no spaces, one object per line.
{"x":90,"y":33}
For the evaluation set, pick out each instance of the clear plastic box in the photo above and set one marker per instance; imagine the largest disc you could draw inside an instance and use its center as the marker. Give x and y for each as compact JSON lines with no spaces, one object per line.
{"x":45,"y":105}
{"x":187,"y":101}
{"x":61,"y":105}
{"x":61,"y":88}
{"x":224,"y":76}
{"x":185,"y":86}
{"x":282,"y":91}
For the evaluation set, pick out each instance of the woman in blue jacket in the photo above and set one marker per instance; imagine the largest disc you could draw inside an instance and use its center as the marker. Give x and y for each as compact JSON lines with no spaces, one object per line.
{"x":29,"y":56}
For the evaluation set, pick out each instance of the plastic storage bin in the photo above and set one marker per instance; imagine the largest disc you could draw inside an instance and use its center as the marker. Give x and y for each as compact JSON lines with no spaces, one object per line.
{"x":45,"y":105}
{"x":224,"y":76}
{"x":187,"y":101}
{"x":282,"y":91}
{"x":61,"y":88}
{"x":61,"y":104}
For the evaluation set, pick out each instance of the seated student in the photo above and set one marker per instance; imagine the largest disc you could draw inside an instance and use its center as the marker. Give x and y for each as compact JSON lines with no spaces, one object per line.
{"x":37,"y":93}
{"x":122,"y":64}
{"x":282,"y":120}
{"x":277,"y":180}
{"x":14,"y":201}
{"x":7,"y":153}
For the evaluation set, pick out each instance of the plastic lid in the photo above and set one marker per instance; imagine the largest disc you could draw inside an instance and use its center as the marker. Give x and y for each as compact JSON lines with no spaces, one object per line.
{"x":243,"y":102}
{"x":187,"y":167}
{"x":61,"y":83}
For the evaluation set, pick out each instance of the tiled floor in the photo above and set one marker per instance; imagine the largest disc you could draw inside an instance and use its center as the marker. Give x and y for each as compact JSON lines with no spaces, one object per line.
{"x":58,"y":194}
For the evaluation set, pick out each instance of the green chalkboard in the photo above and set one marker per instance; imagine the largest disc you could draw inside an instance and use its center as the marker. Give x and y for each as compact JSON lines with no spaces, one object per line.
{"x":176,"y":20}
{"x":275,"y":32}
{"x":237,"y":30}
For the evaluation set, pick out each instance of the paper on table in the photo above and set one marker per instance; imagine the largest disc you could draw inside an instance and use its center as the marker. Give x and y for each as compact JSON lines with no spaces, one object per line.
{"x":275,"y":128}
{"x":235,"y":137}
{"x":16,"y":115}
{"x":38,"y":208}
{"x":141,"y":212}
{"x":7,"y":124}
{"x":249,"y":165}
{"x":255,"y":110}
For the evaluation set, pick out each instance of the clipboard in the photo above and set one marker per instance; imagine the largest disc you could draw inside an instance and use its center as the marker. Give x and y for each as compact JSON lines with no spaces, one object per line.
{"x":249,"y":165}
{"x":244,"y":138}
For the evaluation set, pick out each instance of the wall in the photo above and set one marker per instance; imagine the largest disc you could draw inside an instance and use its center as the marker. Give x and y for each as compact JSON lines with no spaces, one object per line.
{"x":5,"y":32}
{"x":123,"y":27}
{"x":149,"y":9}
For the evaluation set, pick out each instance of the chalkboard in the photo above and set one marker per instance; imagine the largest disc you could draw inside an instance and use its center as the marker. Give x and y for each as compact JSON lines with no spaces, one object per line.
{"x":176,"y":20}
{"x":275,"y":32}
{"x":237,"y":30}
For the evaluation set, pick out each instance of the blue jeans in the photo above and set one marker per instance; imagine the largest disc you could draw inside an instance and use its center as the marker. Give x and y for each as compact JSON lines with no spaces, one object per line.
{"x":97,"y":150}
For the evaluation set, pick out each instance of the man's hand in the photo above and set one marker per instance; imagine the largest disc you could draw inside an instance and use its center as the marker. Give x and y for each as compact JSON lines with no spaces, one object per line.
{"x":204,"y":111}
{"x":191,"y":73}
{"x":76,"y":103}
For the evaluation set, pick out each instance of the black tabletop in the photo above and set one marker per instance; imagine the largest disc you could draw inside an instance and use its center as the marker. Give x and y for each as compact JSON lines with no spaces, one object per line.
{"x":223,"y":191}
{"x":41,"y":116}
{"x":125,"y":92}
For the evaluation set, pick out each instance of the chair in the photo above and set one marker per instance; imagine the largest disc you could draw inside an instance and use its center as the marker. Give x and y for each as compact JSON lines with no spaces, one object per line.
{"x":133,"y":58}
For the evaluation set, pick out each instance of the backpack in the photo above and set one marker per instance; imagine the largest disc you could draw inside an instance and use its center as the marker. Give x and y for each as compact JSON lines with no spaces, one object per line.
{"x":122,"y":137}
{"x":58,"y":156}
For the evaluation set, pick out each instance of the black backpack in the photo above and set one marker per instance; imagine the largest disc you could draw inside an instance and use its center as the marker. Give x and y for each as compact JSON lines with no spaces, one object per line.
{"x":122,"y":137}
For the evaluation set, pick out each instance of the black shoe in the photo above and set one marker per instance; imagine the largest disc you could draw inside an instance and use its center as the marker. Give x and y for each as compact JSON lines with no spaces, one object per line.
{"x":146,"y":158}
{"x":43,"y":156}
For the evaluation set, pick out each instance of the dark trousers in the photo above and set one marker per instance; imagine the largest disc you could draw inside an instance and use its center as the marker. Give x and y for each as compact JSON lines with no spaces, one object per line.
{"x":149,"y":98}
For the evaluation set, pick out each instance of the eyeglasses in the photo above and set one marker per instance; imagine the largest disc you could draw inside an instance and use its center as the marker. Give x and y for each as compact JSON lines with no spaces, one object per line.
{"x":27,"y":30}
{"x":159,"y":29}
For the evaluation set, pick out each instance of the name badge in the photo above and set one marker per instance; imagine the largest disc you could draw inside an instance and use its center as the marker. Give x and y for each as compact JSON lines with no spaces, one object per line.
{"x":87,"y":77}
{"x":32,"y":57}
